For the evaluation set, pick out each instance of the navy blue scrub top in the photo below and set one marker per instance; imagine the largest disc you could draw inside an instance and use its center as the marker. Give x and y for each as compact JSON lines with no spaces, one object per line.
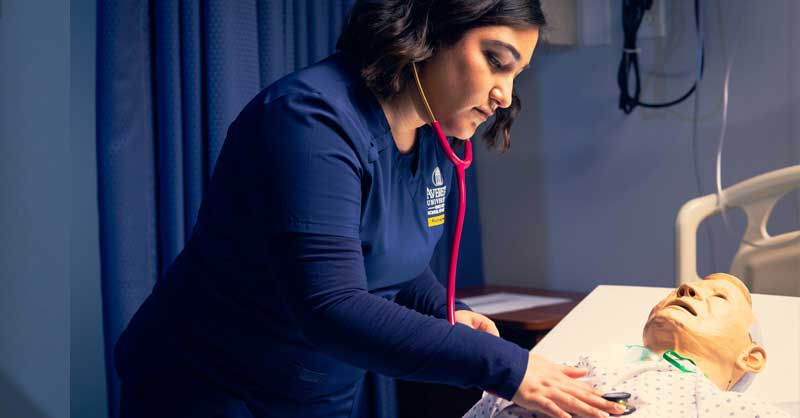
{"x":309,"y":260}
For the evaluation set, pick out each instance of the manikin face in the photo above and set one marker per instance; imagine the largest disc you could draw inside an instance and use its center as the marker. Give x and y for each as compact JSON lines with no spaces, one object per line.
{"x":711,"y":317}
{"x":465,"y":83}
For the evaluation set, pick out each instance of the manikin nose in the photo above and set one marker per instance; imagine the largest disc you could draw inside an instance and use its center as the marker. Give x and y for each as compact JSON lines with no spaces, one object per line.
{"x":686,"y":290}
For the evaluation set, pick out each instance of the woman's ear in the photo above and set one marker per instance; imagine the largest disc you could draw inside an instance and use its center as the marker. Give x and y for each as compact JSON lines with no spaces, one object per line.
{"x":753,"y":359}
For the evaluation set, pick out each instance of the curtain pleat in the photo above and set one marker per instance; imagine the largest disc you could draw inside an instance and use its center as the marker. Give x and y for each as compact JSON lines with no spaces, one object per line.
{"x":127,"y":189}
{"x":194,"y":141}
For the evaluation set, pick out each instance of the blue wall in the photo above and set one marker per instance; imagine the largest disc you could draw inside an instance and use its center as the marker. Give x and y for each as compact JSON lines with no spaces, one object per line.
{"x":51,"y":358}
{"x":35,"y":193}
{"x":589,"y":195}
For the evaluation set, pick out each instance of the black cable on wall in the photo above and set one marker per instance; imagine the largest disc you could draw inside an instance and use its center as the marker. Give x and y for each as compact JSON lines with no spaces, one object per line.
{"x":632,"y":14}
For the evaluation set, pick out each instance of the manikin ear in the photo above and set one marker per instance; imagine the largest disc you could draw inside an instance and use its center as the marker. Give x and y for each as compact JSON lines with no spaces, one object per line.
{"x":753,"y":359}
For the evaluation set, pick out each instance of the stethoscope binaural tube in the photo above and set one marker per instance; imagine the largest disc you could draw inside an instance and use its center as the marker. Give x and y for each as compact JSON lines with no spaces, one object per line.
{"x":460,"y":166}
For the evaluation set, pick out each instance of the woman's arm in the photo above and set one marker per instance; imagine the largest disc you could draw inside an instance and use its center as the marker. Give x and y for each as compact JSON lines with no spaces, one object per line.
{"x":328,"y":293}
{"x":427,"y":295}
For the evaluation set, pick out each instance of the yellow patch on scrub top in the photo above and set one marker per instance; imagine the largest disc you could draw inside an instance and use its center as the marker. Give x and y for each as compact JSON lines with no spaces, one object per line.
{"x":435,"y":220}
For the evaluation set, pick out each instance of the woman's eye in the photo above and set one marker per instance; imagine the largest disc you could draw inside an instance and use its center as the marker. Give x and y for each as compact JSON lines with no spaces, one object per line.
{"x":494,"y":61}
{"x":719,"y":295}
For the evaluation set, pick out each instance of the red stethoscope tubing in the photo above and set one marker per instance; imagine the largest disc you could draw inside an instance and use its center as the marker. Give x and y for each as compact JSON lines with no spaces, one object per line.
{"x":460,"y":168}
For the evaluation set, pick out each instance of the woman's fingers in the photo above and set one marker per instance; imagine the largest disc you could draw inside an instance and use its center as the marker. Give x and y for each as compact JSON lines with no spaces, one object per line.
{"x":477,"y":321}
{"x":560,"y":404}
{"x":590,"y":403}
{"x":573,"y":372}
{"x":547,"y":406}
{"x":574,"y":405}
{"x":490,"y":327}
{"x":581,"y":384}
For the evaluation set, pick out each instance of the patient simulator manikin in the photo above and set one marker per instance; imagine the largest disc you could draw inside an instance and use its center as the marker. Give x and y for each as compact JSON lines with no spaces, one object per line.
{"x":699,"y":352}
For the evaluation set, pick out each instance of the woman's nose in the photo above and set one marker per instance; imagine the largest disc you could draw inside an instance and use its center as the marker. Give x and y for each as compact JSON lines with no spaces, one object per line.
{"x":686,"y":290}
{"x":502,"y":96}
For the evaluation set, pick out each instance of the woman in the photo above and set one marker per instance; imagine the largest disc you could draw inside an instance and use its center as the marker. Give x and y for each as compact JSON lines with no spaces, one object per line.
{"x":309,"y":261}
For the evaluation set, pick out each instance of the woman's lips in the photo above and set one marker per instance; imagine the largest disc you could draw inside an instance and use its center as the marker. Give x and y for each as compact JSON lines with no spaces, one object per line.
{"x":484,"y":115}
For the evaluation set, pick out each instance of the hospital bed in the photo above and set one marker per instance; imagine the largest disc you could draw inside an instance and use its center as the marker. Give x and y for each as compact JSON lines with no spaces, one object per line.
{"x":765,"y":263}
{"x":617,"y":314}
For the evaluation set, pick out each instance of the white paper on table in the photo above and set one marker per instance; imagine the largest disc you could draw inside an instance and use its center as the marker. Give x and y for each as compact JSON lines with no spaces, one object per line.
{"x":494,"y":303}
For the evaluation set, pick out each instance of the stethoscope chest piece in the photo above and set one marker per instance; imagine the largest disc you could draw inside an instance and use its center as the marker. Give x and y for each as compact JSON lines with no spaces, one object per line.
{"x":621,"y":398}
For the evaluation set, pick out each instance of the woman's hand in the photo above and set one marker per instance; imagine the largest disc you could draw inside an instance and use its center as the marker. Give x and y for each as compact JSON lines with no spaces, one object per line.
{"x":551,"y":389}
{"x":477,"y":321}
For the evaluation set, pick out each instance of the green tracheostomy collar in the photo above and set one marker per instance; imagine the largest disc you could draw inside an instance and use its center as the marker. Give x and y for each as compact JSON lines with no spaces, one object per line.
{"x":674,"y":359}
{"x":670,"y":356}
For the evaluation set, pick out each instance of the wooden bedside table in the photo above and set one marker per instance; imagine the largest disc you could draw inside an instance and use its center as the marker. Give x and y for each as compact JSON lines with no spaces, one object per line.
{"x":524,"y":327}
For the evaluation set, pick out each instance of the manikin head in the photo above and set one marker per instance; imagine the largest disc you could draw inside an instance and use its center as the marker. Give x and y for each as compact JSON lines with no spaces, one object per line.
{"x":708,"y":321}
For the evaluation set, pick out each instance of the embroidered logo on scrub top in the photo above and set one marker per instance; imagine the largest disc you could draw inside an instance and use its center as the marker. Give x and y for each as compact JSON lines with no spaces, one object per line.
{"x":435,"y":199}
{"x":436,"y":177}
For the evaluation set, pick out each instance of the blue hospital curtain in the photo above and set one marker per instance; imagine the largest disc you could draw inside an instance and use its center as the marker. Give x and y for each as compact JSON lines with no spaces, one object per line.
{"x":171,"y":76}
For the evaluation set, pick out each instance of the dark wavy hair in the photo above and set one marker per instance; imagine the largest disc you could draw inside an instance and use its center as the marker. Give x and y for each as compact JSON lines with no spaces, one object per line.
{"x":382,"y":37}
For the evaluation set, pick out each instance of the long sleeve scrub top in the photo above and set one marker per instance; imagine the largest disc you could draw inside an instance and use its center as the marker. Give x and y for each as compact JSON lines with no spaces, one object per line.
{"x":308,"y":263}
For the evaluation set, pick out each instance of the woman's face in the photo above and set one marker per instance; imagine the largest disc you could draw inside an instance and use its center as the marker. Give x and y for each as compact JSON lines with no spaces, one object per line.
{"x":466,"y":82}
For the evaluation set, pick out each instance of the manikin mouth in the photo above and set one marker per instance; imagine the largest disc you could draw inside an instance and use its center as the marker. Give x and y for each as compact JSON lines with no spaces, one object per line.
{"x":684,"y":305}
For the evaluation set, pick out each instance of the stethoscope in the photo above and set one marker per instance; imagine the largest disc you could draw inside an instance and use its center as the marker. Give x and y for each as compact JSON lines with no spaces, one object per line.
{"x":460,"y":166}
